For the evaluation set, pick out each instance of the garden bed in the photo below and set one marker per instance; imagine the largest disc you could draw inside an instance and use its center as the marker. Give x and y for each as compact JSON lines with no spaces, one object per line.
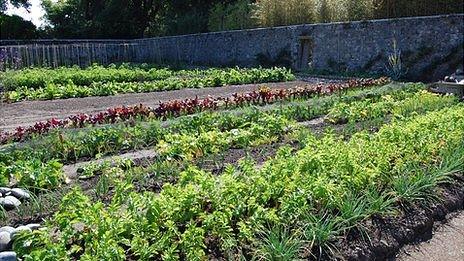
{"x":270,"y":173}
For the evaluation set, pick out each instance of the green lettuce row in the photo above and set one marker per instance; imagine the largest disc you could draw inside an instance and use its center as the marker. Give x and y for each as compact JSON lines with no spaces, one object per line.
{"x":401,"y":104}
{"x":208,"y":78}
{"x":35,"y":78}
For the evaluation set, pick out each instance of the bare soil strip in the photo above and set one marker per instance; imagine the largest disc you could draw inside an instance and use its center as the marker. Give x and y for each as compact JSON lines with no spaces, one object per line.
{"x":29,"y":112}
{"x":447,"y":243}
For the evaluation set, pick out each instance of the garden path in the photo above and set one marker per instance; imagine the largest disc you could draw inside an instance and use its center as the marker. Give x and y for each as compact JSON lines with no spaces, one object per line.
{"x":446,"y":244}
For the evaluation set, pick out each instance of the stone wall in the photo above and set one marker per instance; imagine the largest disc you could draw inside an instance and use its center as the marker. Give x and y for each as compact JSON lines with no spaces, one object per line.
{"x":431,"y":47}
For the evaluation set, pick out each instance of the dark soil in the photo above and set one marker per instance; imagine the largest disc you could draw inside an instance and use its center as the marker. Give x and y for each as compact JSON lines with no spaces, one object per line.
{"x":216,"y":164}
{"x":415,"y":224}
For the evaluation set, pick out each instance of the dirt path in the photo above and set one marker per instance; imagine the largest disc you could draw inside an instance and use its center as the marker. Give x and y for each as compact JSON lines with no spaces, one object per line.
{"x":447,"y":244}
{"x":30,"y":112}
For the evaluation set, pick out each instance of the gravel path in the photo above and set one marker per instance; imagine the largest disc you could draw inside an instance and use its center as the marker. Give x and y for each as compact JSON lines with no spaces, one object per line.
{"x":447,"y":244}
{"x":30,"y":112}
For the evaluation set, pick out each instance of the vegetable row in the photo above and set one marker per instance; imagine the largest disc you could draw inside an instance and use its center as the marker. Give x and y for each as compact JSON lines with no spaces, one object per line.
{"x":199,"y":79}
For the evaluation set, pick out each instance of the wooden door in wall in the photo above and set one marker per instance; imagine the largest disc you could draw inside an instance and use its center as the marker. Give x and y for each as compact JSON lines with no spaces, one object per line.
{"x":305,"y":55}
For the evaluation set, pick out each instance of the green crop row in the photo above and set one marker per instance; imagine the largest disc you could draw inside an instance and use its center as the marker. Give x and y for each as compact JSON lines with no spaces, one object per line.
{"x":400,"y":103}
{"x":35,"y":78}
{"x":60,"y":89}
{"x":316,"y":194}
{"x":41,"y":167}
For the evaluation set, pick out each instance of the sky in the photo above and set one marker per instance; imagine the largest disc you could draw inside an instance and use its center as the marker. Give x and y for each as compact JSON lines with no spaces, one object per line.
{"x":34,"y":14}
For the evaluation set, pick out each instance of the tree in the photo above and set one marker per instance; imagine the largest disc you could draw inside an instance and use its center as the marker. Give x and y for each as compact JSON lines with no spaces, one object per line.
{"x":230,"y":16}
{"x":15,"y":27}
{"x":15,"y":3}
{"x":188,"y":16}
{"x":101,"y":19}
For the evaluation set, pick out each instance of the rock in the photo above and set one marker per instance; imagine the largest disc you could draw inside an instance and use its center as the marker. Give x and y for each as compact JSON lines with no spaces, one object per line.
{"x":7,"y":229}
{"x":10,"y":202}
{"x":8,"y":256}
{"x":4,"y":190}
{"x":33,"y":226}
{"x":20,"y":193}
{"x":19,"y":230}
{"x":5,"y":241}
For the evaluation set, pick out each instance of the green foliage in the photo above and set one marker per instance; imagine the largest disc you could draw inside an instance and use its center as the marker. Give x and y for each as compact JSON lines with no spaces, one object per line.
{"x":15,"y":27}
{"x":36,"y":78}
{"x":279,"y":244}
{"x":236,"y":15}
{"x":395,"y":67}
{"x":101,"y":19}
{"x":401,"y":104}
{"x":46,"y":84}
{"x":233,"y":209}
{"x":275,"y":12}
{"x":32,"y":173}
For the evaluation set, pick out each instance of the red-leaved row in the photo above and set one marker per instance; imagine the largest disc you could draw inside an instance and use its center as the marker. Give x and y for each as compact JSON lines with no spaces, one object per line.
{"x":182,"y":107}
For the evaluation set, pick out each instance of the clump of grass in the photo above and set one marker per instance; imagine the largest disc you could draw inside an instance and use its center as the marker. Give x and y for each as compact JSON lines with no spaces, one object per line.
{"x":279,"y":243}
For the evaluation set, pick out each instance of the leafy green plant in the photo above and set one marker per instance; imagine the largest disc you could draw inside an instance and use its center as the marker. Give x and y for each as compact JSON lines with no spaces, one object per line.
{"x":228,"y":211}
{"x":71,"y":88}
{"x":399,"y":105}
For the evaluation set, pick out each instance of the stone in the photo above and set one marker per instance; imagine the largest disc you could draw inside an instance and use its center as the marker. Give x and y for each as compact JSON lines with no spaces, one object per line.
{"x":8,"y":256}
{"x":7,"y":229}
{"x":33,"y":226}
{"x":5,"y":241}
{"x":19,"y":230}
{"x":20,"y":193}
{"x":10,"y":202}
{"x":4,"y":190}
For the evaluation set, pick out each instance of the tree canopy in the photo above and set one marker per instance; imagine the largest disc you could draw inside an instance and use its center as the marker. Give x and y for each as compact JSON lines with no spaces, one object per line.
{"x":126,"y":19}
{"x":15,"y":27}
{"x":15,"y":3}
